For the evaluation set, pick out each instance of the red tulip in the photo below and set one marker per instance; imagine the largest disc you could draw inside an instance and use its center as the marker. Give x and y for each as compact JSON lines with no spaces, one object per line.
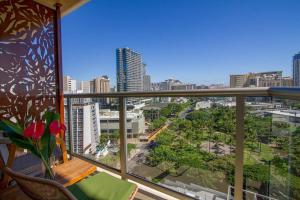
{"x":34,"y":130}
{"x":56,"y":127}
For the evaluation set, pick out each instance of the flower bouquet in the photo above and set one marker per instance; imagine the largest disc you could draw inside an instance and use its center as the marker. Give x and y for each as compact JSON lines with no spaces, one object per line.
{"x":39,"y":137}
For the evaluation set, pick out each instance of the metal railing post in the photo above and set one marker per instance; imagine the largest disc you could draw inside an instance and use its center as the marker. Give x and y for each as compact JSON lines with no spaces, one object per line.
{"x":123,"y":136}
{"x":239,"y":152}
{"x":70,"y":130}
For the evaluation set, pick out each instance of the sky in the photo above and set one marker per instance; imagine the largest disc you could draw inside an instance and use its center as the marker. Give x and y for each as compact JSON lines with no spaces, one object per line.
{"x":195,"y":41}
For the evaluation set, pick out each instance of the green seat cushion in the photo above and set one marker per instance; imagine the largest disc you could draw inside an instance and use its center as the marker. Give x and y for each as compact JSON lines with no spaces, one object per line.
{"x":102,"y":187}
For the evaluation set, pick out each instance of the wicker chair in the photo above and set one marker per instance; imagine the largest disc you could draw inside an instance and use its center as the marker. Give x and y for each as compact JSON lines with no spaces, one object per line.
{"x":97,"y":187}
{"x":38,"y":188}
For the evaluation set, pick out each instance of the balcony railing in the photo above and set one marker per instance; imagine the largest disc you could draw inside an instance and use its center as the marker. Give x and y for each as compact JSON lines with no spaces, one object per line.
{"x":240,"y":156}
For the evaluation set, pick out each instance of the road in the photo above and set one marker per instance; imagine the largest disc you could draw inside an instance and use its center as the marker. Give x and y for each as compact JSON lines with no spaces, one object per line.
{"x":181,"y":115}
{"x":184,"y":113}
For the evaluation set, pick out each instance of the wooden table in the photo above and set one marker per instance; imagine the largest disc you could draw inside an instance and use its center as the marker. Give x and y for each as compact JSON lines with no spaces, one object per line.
{"x":66,"y":173}
{"x":73,"y":171}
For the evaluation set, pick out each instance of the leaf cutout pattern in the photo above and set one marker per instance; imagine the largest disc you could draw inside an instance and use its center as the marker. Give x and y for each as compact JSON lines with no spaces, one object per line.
{"x":27,"y":60}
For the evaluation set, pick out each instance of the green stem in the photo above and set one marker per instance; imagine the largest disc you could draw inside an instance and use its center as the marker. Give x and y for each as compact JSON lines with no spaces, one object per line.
{"x":49,"y":170}
{"x":45,"y":162}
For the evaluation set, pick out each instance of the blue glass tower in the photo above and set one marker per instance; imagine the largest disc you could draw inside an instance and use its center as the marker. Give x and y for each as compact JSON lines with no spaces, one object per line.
{"x":296,"y":69}
{"x":129,"y":70}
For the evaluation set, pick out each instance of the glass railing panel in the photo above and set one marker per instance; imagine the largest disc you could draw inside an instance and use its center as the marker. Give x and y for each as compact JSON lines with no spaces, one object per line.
{"x":272,"y":149}
{"x":186,"y":144}
{"x":95,"y":129}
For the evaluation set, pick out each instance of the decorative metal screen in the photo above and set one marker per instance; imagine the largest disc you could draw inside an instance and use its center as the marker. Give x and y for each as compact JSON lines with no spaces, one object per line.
{"x":27,"y":59}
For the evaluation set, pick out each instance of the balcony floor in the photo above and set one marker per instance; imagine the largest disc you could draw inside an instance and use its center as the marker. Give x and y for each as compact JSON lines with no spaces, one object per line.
{"x":14,"y":193}
{"x":143,"y":195}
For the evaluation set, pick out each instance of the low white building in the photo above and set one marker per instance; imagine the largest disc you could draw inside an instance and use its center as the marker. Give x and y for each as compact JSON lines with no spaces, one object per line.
{"x":203,"y":105}
{"x":225,"y":103}
{"x":290,"y":116}
{"x":181,"y":100}
{"x":109,"y":121}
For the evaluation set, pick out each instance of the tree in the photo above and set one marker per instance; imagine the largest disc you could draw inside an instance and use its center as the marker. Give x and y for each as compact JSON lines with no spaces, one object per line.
{"x":259,"y":173}
{"x":257,"y":129}
{"x":250,"y":128}
{"x":157,"y":123}
{"x":295,"y":152}
{"x":229,"y":125}
{"x":281,"y":125}
{"x":171,"y":110}
{"x":181,"y":125}
{"x":281,"y":134}
{"x":130,"y":146}
{"x":224,"y":121}
{"x":149,"y":114}
{"x":165,"y":138}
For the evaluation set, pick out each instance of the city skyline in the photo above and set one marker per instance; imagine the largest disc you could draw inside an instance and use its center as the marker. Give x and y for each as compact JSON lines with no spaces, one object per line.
{"x":126,"y":56}
{"x":207,"y":37}
{"x":226,"y":83}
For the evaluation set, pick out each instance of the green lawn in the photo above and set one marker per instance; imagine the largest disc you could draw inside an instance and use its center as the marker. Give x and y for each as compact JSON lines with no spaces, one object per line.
{"x":130,"y":147}
{"x":263,"y":153}
{"x":110,"y":160}
{"x":248,"y":158}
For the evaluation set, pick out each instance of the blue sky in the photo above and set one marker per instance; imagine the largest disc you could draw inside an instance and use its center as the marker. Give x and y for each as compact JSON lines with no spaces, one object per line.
{"x":197,"y":41}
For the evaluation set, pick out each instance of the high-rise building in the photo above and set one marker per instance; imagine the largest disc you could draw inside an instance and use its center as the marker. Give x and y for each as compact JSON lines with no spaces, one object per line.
{"x":86,"y":87}
{"x":85,"y":127}
{"x":130,"y":70}
{"x":69,"y":84}
{"x":167,"y":84}
{"x":92,"y":86}
{"x":100,"y":85}
{"x":155,"y":86}
{"x":146,"y":83}
{"x":268,"y":79}
{"x":287,"y":81}
{"x":238,"y":81}
{"x":78,"y":85}
{"x":146,"y":79}
{"x":296,"y":69}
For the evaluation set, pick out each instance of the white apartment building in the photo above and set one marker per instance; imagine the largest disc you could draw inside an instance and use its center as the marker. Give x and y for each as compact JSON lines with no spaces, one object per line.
{"x":85,"y":127}
{"x":109,"y":121}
